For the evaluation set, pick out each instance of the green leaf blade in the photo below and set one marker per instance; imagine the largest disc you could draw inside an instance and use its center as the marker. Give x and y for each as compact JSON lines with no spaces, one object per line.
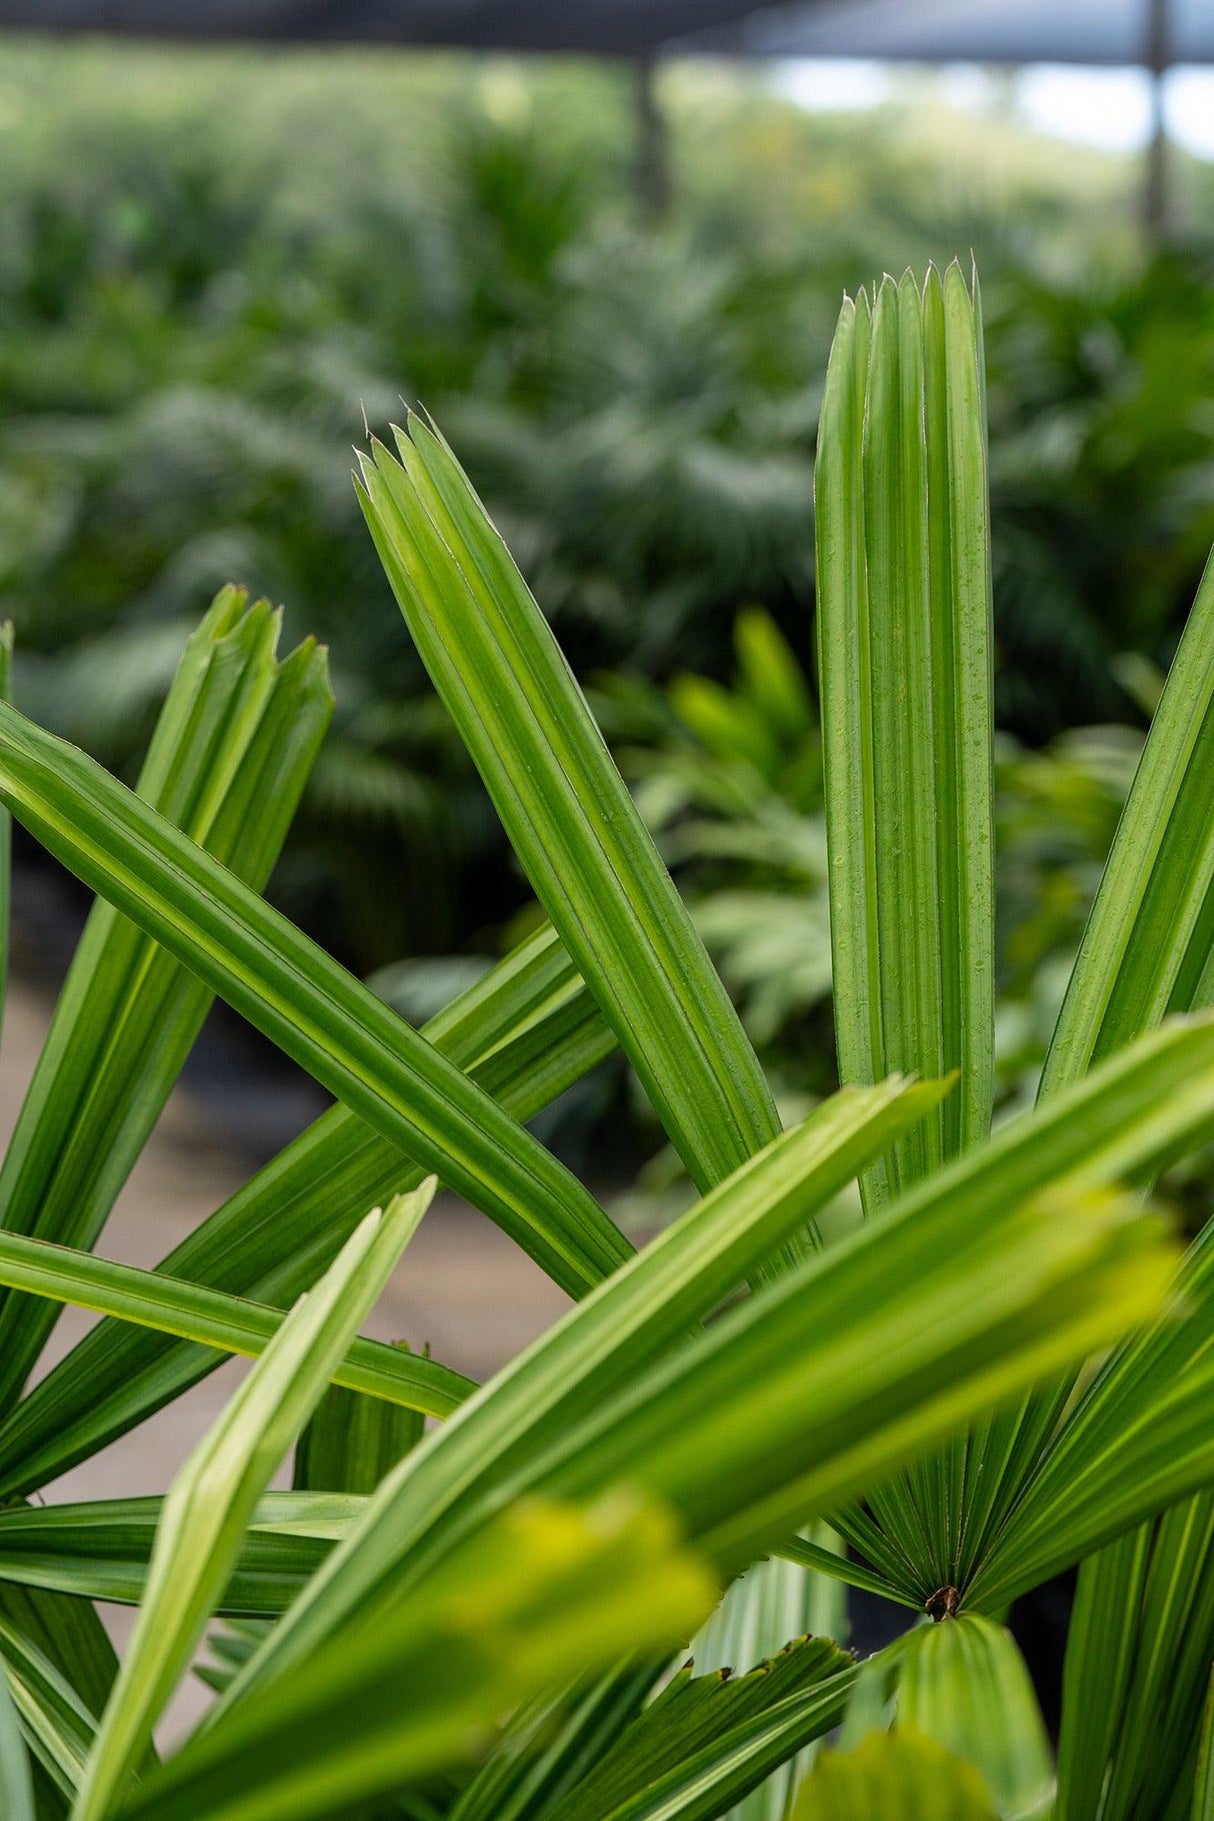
{"x":209,"y":1317}
{"x":546,"y":1592}
{"x":231,"y":753}
{"x":526,"y":1032}
{"x":352,"y":1441}
{"x":16,"y":1784}
{"x":290,"y":989}
{"x":565,"y":808}
{"x":101,"y":1550}
{"x":904,"y":651}
{"x":1147,"y":943}
{"x":844,"y":663}
{"x":214,"y":1496}
{"x":541,"y":1401}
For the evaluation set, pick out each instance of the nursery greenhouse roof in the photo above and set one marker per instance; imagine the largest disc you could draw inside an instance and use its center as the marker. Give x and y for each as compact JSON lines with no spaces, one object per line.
{"x":1004,"y":31}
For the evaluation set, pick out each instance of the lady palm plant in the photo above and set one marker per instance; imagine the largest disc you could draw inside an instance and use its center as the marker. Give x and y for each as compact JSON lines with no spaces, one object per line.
{"x":476,"y":1617}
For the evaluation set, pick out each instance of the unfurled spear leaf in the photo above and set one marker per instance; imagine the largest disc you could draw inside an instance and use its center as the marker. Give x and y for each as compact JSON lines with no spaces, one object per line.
{"x":1020,"y":1497}
{"x":904,"y":643}
{"x":904,"y":655}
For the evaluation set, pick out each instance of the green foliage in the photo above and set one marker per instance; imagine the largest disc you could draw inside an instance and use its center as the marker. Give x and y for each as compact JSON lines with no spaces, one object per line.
{"x":233,"y":746}
{"x":544,"y":1590}
{"x":771,"y":1602}
{"x":232,"y":1324}
{"x":526,"y":1033}
{"x":289,"y":988}
{"x":352,"y":1440}
{"x":904,"y":613}
{"x":477,"y":1617}
{"x":212,"y":266}
{"x":564,"y":805}
{"x":16,"y":1786}
{"x":101,"y":1550}
{"x":1143,"y":1631}
{"x":212,"y":1500}
{"x":705,"y":1738}
{"x":1203,"y":1792}
{"x":729,"y":779}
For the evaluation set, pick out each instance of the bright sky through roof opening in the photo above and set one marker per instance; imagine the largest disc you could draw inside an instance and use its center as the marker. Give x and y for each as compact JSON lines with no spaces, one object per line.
{"x":1106,"y":108}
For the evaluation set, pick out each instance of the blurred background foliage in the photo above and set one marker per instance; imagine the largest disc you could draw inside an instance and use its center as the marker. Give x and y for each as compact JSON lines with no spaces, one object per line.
{"x":216,"y":268}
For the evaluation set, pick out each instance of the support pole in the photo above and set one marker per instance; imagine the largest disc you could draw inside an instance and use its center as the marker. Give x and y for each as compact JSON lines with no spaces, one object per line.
{"x":1155,"y":198}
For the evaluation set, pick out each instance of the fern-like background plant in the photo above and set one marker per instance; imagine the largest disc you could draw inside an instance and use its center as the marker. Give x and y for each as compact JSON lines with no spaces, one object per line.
{"x":211,"y":265}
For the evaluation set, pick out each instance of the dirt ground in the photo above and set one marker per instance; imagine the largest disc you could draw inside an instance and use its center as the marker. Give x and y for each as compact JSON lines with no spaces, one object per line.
{"x":462,"y":1285}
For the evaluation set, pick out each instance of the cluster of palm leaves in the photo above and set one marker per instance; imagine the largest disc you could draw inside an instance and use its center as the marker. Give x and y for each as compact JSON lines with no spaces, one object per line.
{"x":482,"y":1614}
